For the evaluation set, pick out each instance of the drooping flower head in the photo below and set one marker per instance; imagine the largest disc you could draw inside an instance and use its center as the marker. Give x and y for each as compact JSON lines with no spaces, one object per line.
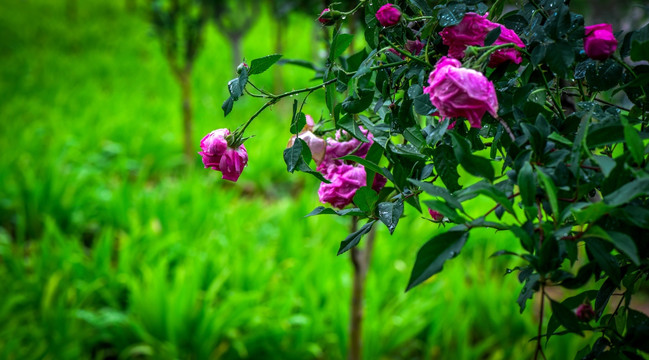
{"x":388,"y":15}
{"x":599,"y":41}
{"x":472,"y":31}
{"x":460,"y":92}
{"x":213,"y":146}
{"x":218,"y":155}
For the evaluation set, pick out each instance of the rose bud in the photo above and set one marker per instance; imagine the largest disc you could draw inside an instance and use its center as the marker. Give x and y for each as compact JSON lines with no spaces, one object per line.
{"x":388,"y":15}
{"x":585,"y":312}
{"x":232,"y":162}
{"x":327,"y":17}
{"x":435,"y":215}
{"x":599,"y":42}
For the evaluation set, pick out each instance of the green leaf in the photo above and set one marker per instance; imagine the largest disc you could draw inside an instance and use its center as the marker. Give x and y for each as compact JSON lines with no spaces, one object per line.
{"x":560,"y":56}
{"x":640,"y":50}
{"x":298,"y":122}
{"x":451,"y":14}
{"x":365,"y":198}
{"x":348,"y":124}
{"x":354,"y":238}
{"x":578,"y":143}
{"x":354,"y":105}
{"x":560,"y":139}
{"x":603,"y":295}
{"x":550,"y":190}
{"x":227,"y":106}
{"x":605,"y":163}
{"x":298,"y":156}
{"x":625,"y":245}
{"x":446,"y":166}
{"x":492,"y":36}
{"x":431,"y":257}
{"x":527,"y":184}
{"x":633,"y":141}
{"x":628,"y":192}
{"x":258,"y":66}
{"x":367,"y":164}
{"x":339,"y":44}
{"x":473,"y":164}
{"x":439,"y":192}
{"x":414,"y":136}
{"x":606,"y":261}
{"x":422,"y":5}
{"x":604,"y":75}
{"x":321,"y":210}
{"x":566,"y":317}
{"x":390,"y":213}
{"x":592,"y":213}
{"x":422,"y":105}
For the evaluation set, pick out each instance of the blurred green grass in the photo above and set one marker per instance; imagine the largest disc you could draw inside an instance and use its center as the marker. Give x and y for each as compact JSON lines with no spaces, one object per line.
{"x":111,"y":248}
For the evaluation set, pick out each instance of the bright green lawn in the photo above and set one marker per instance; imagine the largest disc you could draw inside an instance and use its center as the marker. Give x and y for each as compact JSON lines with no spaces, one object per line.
{"x":110,"y":248}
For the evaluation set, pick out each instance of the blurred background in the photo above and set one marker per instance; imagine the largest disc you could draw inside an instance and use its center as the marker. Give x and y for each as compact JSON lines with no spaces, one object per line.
{"x":113,"y":246}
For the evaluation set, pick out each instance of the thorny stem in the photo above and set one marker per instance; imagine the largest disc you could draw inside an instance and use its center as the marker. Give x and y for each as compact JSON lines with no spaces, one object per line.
{"x":275,"y":98}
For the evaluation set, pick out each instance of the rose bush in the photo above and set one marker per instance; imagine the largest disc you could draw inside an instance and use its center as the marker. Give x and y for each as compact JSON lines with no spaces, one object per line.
{"x":565,"y":167}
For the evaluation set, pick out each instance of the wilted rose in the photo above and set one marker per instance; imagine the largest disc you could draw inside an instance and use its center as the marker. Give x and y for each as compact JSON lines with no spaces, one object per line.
{"x":472,"y":31}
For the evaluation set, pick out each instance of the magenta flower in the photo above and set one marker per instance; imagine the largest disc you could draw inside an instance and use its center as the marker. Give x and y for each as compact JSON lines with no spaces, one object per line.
{"x":213,"y":146}
{"x":435,"y":215}
{"x":345,"y":180}
{"x":388,"y":15}
{"x":232,"y":162}
{"x":219,"y":156}
{"x":599,"y":42}
{"x":460,"y":92}
{"x":585,"y":312}
{"x":472,"y":31}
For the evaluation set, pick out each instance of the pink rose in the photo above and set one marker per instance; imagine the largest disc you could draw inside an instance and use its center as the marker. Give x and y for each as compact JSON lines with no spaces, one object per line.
{"x":213,"y":146}
{"x":345,"y":181}
{"x":316,"y":144}
{"x":310,"y":123}
{"x":460,"y":92}
{"x":219,"y":156}
{"x":599,"y":42}
{"x":232,"y":162}
{"x":388,"y":15}
{"x":322,"y":20}
{"x":585,"y":312}
{"x":472,"y":31}
{"x":435,"y":215}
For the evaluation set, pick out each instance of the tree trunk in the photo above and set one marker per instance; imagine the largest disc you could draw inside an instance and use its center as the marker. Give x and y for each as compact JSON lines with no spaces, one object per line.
{"x":360,"y":260}
{"x":278,"y":75}
{"x":184,"y":79}
{"x":235,"y":43}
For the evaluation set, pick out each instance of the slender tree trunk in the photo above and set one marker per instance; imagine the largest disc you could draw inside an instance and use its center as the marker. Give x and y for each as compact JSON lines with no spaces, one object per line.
{"x":184,"y":79}
{"x":71,"y":10}
{"x":278,"y":75}
{"x":235,"y":43}
{"x":361,"y":261}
